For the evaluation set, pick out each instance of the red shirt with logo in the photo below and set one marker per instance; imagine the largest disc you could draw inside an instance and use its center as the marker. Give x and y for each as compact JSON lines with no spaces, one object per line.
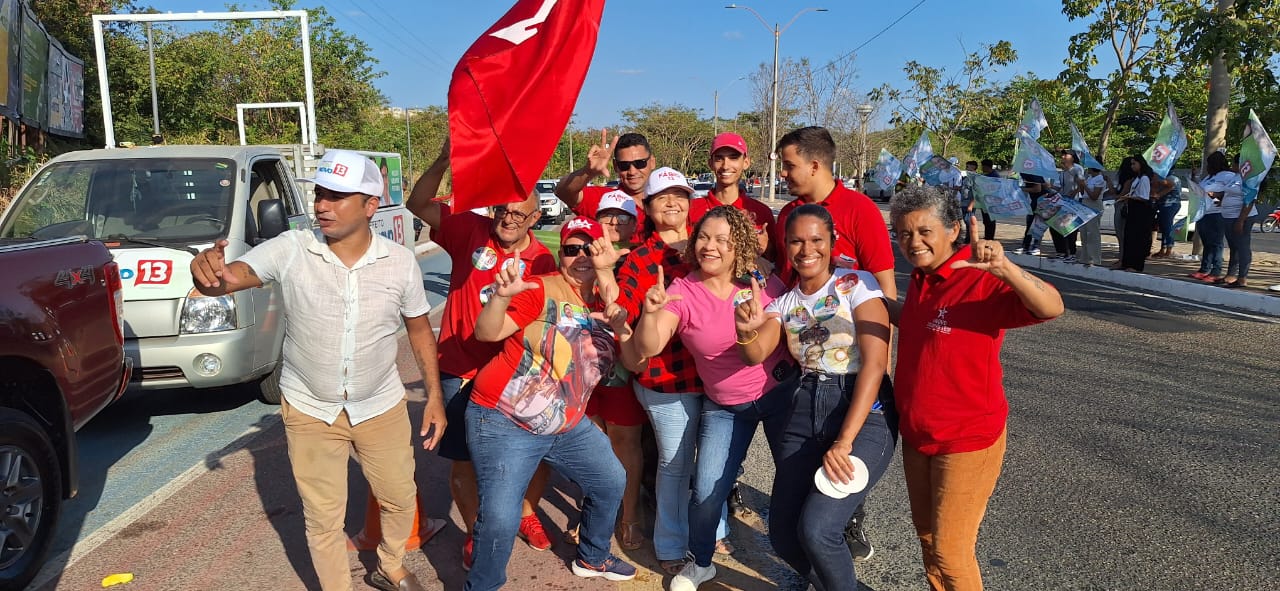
{"x":949,"y":386}
{"x":468,"y":239}
{"x":862,"y":239}
{"x":590,"y":203}
{"x":544,"y":375}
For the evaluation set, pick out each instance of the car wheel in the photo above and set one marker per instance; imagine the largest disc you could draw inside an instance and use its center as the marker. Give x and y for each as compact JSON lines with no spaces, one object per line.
{"x":30,"y":498}
{"x":269,"y":386}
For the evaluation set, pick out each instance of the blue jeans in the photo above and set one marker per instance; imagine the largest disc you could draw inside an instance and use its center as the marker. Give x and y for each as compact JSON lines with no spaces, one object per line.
{"x":675,"y":419}
{"x":1211,"y":231}
{"x":453,"y":443}
{"x":1241,"y":249}
{"x":723,"y":439}
{"x":505,"y":456}
{"x":806,"y":527}
{"x":1164,"y":219}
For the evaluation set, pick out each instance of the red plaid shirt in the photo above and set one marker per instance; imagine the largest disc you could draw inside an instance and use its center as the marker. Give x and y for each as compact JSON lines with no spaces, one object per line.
{"x":671,"y":371}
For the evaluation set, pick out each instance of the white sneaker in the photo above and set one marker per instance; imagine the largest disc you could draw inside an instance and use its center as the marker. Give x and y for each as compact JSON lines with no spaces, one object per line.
{"x":1035,"y":252}
{"x":691,"y":576}
{"x":1018,"y":251}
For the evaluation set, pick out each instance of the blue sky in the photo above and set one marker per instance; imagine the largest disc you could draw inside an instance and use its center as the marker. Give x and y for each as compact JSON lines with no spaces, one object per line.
{"x":681,"y":51}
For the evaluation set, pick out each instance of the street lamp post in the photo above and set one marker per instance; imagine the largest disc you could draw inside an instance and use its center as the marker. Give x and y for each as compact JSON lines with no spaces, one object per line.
{"x":715,"y":121}
{"x":773,"y":125}
{"x":864,"y":113}
{"x":408,"y":155}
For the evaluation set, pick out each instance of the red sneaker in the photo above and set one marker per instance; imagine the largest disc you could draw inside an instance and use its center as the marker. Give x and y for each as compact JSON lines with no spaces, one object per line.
{"x":467,"y":548}
{"x":531,"y":531}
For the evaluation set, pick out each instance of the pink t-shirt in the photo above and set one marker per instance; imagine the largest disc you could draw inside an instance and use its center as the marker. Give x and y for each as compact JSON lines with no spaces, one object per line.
{"x":707,"y":329}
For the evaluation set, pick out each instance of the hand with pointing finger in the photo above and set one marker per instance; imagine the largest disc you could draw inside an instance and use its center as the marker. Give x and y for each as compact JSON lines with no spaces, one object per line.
{"x":986,"y":255}
{"x":749,"y":316}
{"x":601,"y":155}
{"x":657,"y":297}
{"x":508,"y":283}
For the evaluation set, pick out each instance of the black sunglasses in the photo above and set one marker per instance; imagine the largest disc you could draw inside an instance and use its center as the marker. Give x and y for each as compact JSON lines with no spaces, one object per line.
{"x":625,"y":165}
{"x":573,"y":250}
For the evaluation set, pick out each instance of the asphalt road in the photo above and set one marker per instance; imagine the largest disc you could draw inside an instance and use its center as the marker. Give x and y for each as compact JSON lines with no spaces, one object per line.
{"x":1142,"y":455}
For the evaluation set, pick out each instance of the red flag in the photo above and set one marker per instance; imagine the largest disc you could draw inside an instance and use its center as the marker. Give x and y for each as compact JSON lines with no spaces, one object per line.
{"x":512,"y":95}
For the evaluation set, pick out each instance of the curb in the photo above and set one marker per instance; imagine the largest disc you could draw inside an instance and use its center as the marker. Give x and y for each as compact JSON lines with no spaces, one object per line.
{"x":1204,"y":294}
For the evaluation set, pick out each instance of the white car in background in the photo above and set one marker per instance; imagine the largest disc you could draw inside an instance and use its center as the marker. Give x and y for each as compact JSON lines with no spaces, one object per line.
{"x":702,"y":189}
{"x":553,"y":209}
{"x":1184,"y":210}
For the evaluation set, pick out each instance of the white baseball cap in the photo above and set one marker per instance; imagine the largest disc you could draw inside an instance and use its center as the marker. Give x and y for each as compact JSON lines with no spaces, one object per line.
{"x":617,"y":200}
{"x":665,"y":178}
{"x":344,"y":171}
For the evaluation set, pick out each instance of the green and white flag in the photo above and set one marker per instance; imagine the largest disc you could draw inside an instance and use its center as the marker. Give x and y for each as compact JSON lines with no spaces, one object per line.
{"x":1171,"y":142}
{"x":888,"y":169}
{"x":1257,"y":152}
{"x":1032,"y":158}
{"x":1001,"y":197}
{"x":1033,"y":122}
{"x":918,"y":154}
{"x":1082,"y":150}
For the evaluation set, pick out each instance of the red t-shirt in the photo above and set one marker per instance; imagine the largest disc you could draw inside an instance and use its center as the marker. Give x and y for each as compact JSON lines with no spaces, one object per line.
{"x":468,"y":239}
{"x":672,"y":371}
{"x":949,"y":384}
{"x":543,"y":377}
{"x":862,"y":239}
{"x":591,"y":202}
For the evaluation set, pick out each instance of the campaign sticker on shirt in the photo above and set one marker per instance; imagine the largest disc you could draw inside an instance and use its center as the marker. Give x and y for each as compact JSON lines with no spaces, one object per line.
{"x":484,"y":258}
{"x":846,"y":283}
{"x":826,"y":308}
{"x":486,"y":292}
{"x":507,"y":265}
{"x":743,"y":296}
{"x":847,"y":262}
{"x":797,"y":319}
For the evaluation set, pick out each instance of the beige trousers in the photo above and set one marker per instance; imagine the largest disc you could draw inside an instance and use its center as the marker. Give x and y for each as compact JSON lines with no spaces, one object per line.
{"x":319,"y":453}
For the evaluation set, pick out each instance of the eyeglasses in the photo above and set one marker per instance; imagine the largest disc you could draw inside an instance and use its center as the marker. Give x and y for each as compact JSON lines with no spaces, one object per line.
{"x":617,"y":219}
{"x":573,"y":250}
{"x":625,"y":165}
{"x":516,"y":216}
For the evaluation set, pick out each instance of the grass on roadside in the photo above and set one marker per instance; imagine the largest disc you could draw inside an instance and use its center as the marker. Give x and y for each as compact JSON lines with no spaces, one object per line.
{"x":549,"y":238}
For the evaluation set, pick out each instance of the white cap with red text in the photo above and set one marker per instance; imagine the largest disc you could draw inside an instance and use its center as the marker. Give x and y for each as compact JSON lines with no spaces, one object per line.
{"x":344,"y":171}
{"x":618,"y":200}
{"x":665,"y":178}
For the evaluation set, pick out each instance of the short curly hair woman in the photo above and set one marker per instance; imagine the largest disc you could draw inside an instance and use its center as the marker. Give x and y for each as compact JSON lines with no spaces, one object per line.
{"x":742,"y":234}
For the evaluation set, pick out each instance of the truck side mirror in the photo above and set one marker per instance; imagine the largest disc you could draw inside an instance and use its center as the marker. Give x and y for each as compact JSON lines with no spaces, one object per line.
{"x":271,"y":219}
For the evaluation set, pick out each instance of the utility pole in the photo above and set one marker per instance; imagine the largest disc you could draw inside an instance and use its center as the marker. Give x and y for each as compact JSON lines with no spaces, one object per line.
{"x":408,"y":156}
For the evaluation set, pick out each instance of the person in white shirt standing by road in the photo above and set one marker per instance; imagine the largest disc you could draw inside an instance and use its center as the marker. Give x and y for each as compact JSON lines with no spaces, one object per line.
{"x":347,"y":292}
{"x":1071,"y":184}
{"x":1095,"y":185}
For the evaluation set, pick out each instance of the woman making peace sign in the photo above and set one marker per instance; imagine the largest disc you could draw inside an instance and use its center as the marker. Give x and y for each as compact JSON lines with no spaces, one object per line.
{"x":837,"y":328}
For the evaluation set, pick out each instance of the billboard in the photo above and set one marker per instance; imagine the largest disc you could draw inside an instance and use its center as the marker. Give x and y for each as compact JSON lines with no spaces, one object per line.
{"x":35,"y":71}
{"x":10,"y":67}
{"x":66,"y":93}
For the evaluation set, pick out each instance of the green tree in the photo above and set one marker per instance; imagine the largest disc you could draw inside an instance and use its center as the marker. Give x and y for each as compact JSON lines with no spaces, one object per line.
{"x":1134,"y":30}
{"x":679,"y":135}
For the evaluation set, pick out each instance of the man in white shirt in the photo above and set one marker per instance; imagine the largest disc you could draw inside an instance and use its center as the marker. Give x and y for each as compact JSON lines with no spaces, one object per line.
{"x":347,"y":292}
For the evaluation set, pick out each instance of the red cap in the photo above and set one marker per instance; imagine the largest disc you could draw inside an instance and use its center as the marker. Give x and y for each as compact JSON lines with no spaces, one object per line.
{"x":729,"y":140}
{"x":581,"y":225}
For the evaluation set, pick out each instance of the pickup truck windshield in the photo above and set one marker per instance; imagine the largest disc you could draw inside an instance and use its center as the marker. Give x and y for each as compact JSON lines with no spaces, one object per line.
{"x":172,"y":200}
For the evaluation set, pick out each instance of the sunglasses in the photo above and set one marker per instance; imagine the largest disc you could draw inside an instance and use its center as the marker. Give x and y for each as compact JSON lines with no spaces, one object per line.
{"x":625,"y":165}
{"x":516,"y":216}
{"x":616,"y":219}
{"x":573,"y":250}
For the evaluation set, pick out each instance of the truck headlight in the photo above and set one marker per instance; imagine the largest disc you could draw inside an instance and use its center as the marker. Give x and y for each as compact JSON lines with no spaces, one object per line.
{"x":202,"y":313}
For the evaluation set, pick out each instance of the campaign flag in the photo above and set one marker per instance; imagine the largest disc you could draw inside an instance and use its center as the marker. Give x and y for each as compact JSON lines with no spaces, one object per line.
{"x":1195,"y":206}
{"x":918,"y":154}
{"x":1032,"y":158}
{"x":1033,"y":122}
{"x":1171,"y":142}
{"x":931,"y":170}
{"x":1257,"y":152}
{"x":888,"y":169}
{"x":1001,"y":197}
{"x":1082,"y":150}
{"x":512,"y":94}
{"x":1069,"y":215}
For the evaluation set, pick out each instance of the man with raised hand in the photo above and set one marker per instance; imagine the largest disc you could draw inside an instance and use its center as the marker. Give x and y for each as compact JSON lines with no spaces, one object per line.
{"x":479,"y":247}
{"x":347,"y":292}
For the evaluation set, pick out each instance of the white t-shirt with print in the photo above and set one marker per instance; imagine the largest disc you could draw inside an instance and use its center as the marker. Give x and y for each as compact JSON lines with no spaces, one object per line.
{"x":819,"y":327}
